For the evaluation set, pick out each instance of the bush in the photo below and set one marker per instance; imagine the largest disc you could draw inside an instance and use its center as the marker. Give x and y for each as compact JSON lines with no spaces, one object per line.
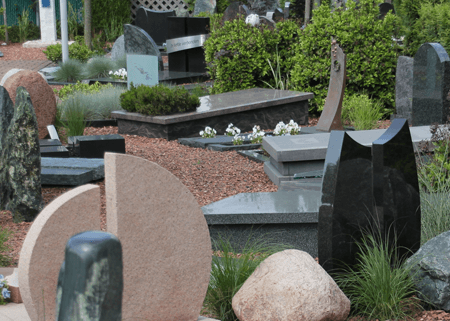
{"x":379,"y":286}
{"x":433,"y":25}
{"x":361,"y":111}
{"x":365,"y":39}
{"x":158,"y":100}
{"x":95,"y":104}
{"x":68,"y":90}
{"x":76,"y":51}
{"x":99,"y":67}
{"x":237,"y":53}
{"x":5,"y":234}
{"x":104,"y":10}
{"x":69,"y":71}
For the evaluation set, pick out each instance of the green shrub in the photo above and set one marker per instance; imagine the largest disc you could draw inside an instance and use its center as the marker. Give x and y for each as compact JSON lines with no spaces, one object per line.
{"x":23,"y":25}
{"x":69,"y":71}
{"x":435,"y":209}
{"x":365,"y":39}
{"x":68,"y":90}
{"x":228,"y":273}
{"x":5,"y":234}
{"x":99,"y":67}
{"x":76,"y":51}
{"x":361,"y":111}
{"x":379,"y":286}
{"x":73,"y":118}
{"x":158,"y":100}
{"x":433,"y":25}
{"x":237,"y":53}
{"x":104,"y":10}
{"x":95,"y":104}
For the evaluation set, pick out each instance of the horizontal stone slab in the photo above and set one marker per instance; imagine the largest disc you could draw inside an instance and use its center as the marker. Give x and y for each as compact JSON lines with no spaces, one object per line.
{"x":254,"y":155}
{"x":96,"y":166}
{"x":54,"y":151}
{"x":246,"y":108}
{"x":314,"y":146}
{"x":49,"y":142}
{"x":66,"y":176}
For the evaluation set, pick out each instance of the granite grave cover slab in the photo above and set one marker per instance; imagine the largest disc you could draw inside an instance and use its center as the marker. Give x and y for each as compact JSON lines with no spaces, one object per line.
{"x":246,"y":108}
{"x":95,"y":146}
{"x":71,"y":171}
{"x":284,"y":217}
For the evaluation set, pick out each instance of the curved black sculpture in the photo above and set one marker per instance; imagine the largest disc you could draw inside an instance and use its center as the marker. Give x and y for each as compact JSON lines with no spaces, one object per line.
{"x":368,"y":190}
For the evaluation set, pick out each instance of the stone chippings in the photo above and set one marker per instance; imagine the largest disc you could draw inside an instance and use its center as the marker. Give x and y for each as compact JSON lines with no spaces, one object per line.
{"x":20,"y":159}
{"x":290,"y":285}
{"x":431,"y":271}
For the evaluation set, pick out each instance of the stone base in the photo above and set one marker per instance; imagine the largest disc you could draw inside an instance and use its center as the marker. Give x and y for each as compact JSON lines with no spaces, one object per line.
{"x":41,"y":44}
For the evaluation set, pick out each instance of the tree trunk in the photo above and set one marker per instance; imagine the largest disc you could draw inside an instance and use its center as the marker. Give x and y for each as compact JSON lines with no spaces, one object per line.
{"x":307,"y":11}
{"x":87,"y":23}
{"x":6,"y":23}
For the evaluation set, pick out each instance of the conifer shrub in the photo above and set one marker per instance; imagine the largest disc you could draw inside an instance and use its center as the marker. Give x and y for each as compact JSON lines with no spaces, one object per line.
{"x":158,"y":100}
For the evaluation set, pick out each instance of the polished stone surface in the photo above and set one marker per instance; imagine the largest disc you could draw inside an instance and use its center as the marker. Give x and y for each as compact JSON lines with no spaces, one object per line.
{"x":431,"y":85}
{"x":314,"y":146}
{"x":330,"y":119}
{"x":118,"y":49}
{"x":54,"y":151}
{"x":95,"y":146}
{"x":191,"y":60}
{"x":49,"y":142}
{"x":346,"y":200}
{"x":283,"y":217}
{"x":404,"y":88}
{"x":209,"y":6}
{"x":264,"y":107}
{"x":90,"y":282}
{"x":234,"y":9}
{"x":154,"y":23}
{"x":254,"y":155}
{"x":396,"y":187}
{"x":66,"y":176}
{"x":219,"y":143}
{"x":139,"y":42}
{"x":97,"y":166}
{"x":376,"y":194}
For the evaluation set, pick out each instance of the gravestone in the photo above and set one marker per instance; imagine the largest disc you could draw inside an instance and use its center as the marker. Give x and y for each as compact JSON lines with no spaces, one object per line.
{"x":90,"y":281}
{"x":185,"y":40}
{"x":404,"y":88}
{"x":362,"y":193}
{"x":95,"y":146}
{"x":209,"y":6}
{"x":142,"y":70}
{"x":278,"y":15}
{"x":154,"y":23}
{"x":47,"y":16}
{"x":385,"y":8}
{"x":286,"y":9}
{"x":431,"y":85}
{"x":167,"y":260}
{"x":19,"y":158}
{"x":234,"y":9}
{"x":260,"y":7}
{"x":43,"y":249}
{"x":330,"y":119}
{"x":138,"y":42}
{"x":118,"y":49}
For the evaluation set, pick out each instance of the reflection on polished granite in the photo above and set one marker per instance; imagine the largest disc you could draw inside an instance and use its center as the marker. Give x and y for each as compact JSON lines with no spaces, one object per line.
{"x":246,"y":108}
{"x":287,"y":217}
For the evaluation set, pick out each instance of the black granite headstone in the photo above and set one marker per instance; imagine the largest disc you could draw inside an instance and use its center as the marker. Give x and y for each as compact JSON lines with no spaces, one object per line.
{"x":95,"y":146}
{"x":192,"y":59}
{"x":385,"y":8}
{"x":90,"y":282}
{"x":368,"y":190}
{"x":154,"y":23}
{"x":431,"y":85}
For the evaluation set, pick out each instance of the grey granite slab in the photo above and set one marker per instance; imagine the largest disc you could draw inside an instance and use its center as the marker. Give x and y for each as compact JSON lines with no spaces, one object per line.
{"x":299,"y":185}
{"x":288,"y":217}
{"x":97,"y":165}
{"x":54,"y":151}
{"x":49,"y":142}
{"x":66,"y":176}
{"x":314,"y":146}
{"x":264,"y":208}
{"x":254,"y":155}
{"x":221,"y":104}
{"x":291,"y":168}
{"x":224,"y":148}
{"x":305,"y":175}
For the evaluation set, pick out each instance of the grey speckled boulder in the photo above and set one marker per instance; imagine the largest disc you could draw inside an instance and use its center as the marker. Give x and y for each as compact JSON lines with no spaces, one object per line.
{"x":21,"y":162}
{"x":431,"y":270}
{"x":6,"y":115}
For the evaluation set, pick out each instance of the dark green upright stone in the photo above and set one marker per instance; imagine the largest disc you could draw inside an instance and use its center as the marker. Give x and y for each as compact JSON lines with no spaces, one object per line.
{"x":22,"y":159}
{"x":6,"y":115}
{"x":90,"y":282}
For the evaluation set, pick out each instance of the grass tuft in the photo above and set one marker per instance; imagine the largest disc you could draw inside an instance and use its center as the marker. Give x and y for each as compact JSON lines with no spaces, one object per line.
{"x":69,"y":71}
{"x":99,"y":67}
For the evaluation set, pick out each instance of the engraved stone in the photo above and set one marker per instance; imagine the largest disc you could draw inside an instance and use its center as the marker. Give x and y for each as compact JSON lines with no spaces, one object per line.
{"x":154,"y":23}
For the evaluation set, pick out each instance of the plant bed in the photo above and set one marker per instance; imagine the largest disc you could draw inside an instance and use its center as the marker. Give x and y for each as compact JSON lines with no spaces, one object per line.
{"x":245,"y":108}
